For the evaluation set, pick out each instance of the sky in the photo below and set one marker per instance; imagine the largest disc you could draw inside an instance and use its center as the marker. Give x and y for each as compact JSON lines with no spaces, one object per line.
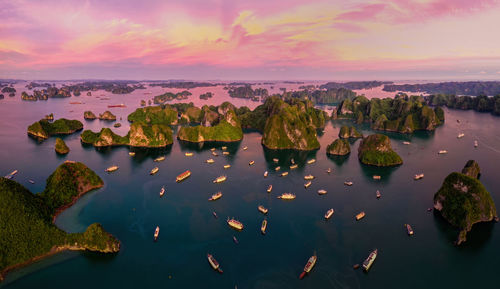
{"x":250,"y":40}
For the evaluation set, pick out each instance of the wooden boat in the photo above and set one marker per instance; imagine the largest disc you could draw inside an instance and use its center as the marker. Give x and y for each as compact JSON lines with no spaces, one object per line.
{"x":322,"y":192}
{"x":311,"y":161}
{"x":309,"y":265}
{"x":348,"y":183}
{"x":262,"y":209}
{"x":277,"y":168}
{"x":245,"y":148}
{"x":251,"y":163}
{"x":215,"y":196}
{"x":263,"y":227}
{"x":442,"y":152}
{"x":287,"y":196}
{"x":292,"y":167}
{"x":406,"y":143}
{"x":183,"y":176}
{"x":154,"y":171}
{"x":460,"y":135}
{"x":409,"y":229}
{"x":284,"y":174}
{"x":227,"y":166}
{"x":329,"y":170}
{"x":131,"y":154}
{"x":276,"y":160}
{"x":308,"y":177}
{"x":162,"y":191}
{"x":188,"y":154}
{"x":235,"y":224}
{"x":225,"y":153}
{"x":376,"y":177}
{"x":270,"y":188}
{"x":265,"y":174}
{"x":111,"y":169}
{"x":220,"y":179}
{"x":360,"y":216}
{"x":378,"y":194}
{"x":210,"y":161}
{"x":369,"y":261}
{"x":418,"y":176}
{"x":224,"y":148}
{"x":215,"y":265}
{"x":157,"y":233}
{"x":329,"y":214}
{"x":307,"y":185}
{"x":160,"y":159}
{"x":215,"y":154}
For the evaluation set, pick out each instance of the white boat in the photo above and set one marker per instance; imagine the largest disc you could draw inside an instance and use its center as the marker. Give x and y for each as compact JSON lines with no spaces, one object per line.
{"x":307,"y":185}
{"x":294,"y":166}
{"x":265,"y":174}
{"x":157,"y":233}
{"x":188,"y":154}
{"x":311,"y":161}
{"x":276,"y":160}
{"x":329,"y":214}
{"x":131,"y":154}
{"x":215,"y":196}
{"x":220,"y":179}
{"x":418,"y":176}
{"x":215,"y":265}
{"x":277,"y":168}
{"x":322,"y":192}
{"x":251,"y":163}
{"x":348,"y":183}
{"x":442,"y":152}
{"x":111,"y":169}
{"x":160,"y":159}
{"x":378,"y":194}
{"x":245,"y":148}
{"x":224,"y":148}
{"x":162,"y":191}
{"x":460,"y":135}
{"x":287,"y":196}
{"x":308,"y":177}
{"x":270,"y":188}
{"x":262,"y":209}
{"x":210,"y":161}
{"x":475,"y":144}
{"x":369,"y":261}
{"x":227,"y":166}
{"x":284,"y":174}
{"x":329,"y":170}
{"x":406,"y":142}
{"x":154,"y":171}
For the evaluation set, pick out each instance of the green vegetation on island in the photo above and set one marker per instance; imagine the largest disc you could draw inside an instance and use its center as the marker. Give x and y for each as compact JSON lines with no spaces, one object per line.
{"x":463,"y":200}
{"x":480,"y":103}
{"x":107,"y":115}
{"x":61,"y":147}
{"x":376,"y":150}
{"x":139,"y":135}
{"x":154,"y":115}
{"x":349,"y":132}
{"x":89,"y":115}
{"x":339,"y":147}
{"x":168,"y":96}
{"x":43,"y":129}
{"x":26,"y":219}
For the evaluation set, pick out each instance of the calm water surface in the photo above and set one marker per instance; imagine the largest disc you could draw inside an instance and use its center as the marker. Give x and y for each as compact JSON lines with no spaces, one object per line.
{"x":129,"y":207}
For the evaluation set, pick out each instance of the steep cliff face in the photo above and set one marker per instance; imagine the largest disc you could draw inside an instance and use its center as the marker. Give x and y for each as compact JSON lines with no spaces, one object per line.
{"x":157,"y":135}
{"x":339,"y":147}
{"x":472,"y":169}
{"x":349,"y":132}
{"x":89,"y":115}
{"x":61,"y":147}
{"x":43,"y":129}
{"x":107,"y":115}
{"x":376,"y":150}
{"x":463,"y":200}
{"x":106,"y":137}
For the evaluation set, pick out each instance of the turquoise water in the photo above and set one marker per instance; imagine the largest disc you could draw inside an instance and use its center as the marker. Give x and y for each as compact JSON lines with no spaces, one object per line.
{"x":129,"y":207}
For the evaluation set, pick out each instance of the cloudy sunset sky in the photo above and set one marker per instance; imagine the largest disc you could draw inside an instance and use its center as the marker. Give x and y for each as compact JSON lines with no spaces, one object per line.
{"x":258,"y":39}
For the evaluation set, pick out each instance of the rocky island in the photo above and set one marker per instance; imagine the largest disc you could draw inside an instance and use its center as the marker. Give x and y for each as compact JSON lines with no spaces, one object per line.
{"x":88,"y":115}
{"x":339,"y":147}
{"x":376,"y":150}
{"x":349,"y":132}
{"x":139,"y":135}
{"x":27,"y":220}
{"x":463,"y":200}
{"x":61,"y":147}
{"x":43,"y":129}
{"x":107,"y":115}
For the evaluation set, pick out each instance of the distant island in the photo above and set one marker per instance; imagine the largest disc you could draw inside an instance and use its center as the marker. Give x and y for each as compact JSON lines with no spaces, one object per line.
{"x":457,"y":88}
{"x":168,"y":96}
{"x":376,"y":150}
{"x":27,"y":220}
{"x":183,"y":84}
{"x":355,"y":85}
{"x":206,"y":96}
{"x":43,"y":129}
{"x":480,"y":103}
{"x":88,"y":115}
{"x":463,"y":200}
{"x":107,"y":115}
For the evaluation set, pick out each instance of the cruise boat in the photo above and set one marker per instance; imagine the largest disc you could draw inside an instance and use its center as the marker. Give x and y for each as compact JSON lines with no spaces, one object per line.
{"x":265,"y":174}
{"x":224,"y":148}
{"x":284,"y":174}
{"x":329,"y":214}
{"x":220,"y":179}
{"x":157,"y":233}
{"x":235,"y":224}
{"x":251,"y":163}
{"x":245,"y":148}
{"x":9,"y":176}
{"x":378,"y":194}
{"x":154,"y":171}
{"x":225,"y":153}
{"x":308,"y":177}
{"x":287,"y":196}
{"x":111,"y":169}
{"x":116,"y":105}
{"x":215,"y":196}
{"x":294,"y":166}
{"x":418,"y":176}
{"x":309,"y":265}
{"x":406,"y":142}
{"x":215,"y":265}
{"x":360,"y":216}
{"x":270,"y":188}
{"x":212,"y":149}
{"x":329,"y":170}
{"x":409,"y":229}
{"x":210,"y":161}
{"x":277,"y":168}
{"x":311,"y":161}
{"x":475,"y":144}
{"x":262,"y":209}
{"x":162,"y":191}
{"x":188,"y":154}
{"x":131,"y":154}
{"x":307,"y":185}
{"x":227,"y":166}
{"x":460,"y":135}
{"x":442,"y":152}
{"x":348,"y":183}
{"x":276,"y":160}
{"x":183,"y":176}
{"x":322,"y":192}
{"x":160,"y":159}
{"x":369,"y":261}
{"x":215,"y":154}
{"x":376,"y":177}
{"x":263,"y":227}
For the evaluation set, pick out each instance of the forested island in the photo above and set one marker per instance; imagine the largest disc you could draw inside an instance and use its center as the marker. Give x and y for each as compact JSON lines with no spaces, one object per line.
{"x":168,"y":96}
{"x":354,"y":85}
{"x":43,"y":129}
{"x":183,"y":84}
{"x":339,"y":147}
{"x":456,"y":88}
{"x":27,"y":220}
{"x":376,"y":150}
{"x":480,"y":103}
{"x":139,"y":135}
{"x":60,"y":147}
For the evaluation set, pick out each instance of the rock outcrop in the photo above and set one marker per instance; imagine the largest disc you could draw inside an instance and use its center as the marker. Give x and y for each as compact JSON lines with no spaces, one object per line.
{"x":339,"y":147}
{"x":88,"y":115}
{"x":107,"y":115}
{"x":61,"y":147}
{"x":376,"y":150}
{"x":349,"y":132}
{"x":43,"y":129}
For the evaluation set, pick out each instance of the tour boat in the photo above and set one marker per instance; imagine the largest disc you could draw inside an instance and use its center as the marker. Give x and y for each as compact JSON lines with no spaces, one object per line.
{"x":162,"y":191}
{"x":215,"y":196}
{"x":154,"y":171}
{"x":210,"y":161}
{"x":311,"y":161}
{"x":360,"y":216}
{"x":263,"y":227}
{"x":308,"y":177}
{"x":183,"y":176}
{"x":292,"y":161}
{"x":262,"y":209}
{"x":227,"y":166}
{"x":214,"y":263}
{"x":369,"y":261}
{"x":31,"y":181}
{"x":111,"y":169}
{"x":322,"y":192}
{"x":75,"y":102}
{"x":157,"y":233}
{"x":245,"y":148}
{"x":376,"y":177}
{"x":131,"y":154}
{"x":284,"y":174}
{"x":160,"y":159}
{"x":378,"y":194}
{"x":215,"y":154}
{"x":270,"y":188}
{"x":235,"y":224}
{"x":225,"y":153}
{"x":224,"y":148}
{"x":409,"y":229}
{"x":9,"y":176}
{"x":265,"y":174}
{"x":309,"y":265}
{"x":418,"y":176}
{"x":277,"y":168}
{"x":460,"y":135}
{"x":406,"y":142}
{"x":188,"y":154}
{"x":442,"y":152}
{"x":287,"y":196}
{"x":329,"y":214}
{"x":275,"y":160}
{"x":235,"y":240}
{"x":220,"y":179}
{"x":116,"y":105}
{"x":329,"y":170}
{"x":475,"y":144}
{"x":215,"y":214}
{"x":348,"y":183}
{"x":251,"y":163}
{"x":307,"y":185}
{"x":292,"y":167}
{"x":212,"y":149}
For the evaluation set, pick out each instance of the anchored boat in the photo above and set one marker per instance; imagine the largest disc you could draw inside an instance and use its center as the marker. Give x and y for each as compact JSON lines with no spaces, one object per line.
{"x":287,"y":196}
{"x":162,"y":191}
{"x":157,"y":233}
{"x":110,"y":169}
{"x":262,"y":209}
{"x":265,"y":174}
{"x":215,"y":154}
{"x":277,"y":168}
{"x":329,"y":170}
{"x":220,"y":179}
{"x":235,"y":224}
{"x":309,"y":265}
{"x":308,"y":177}
{"x":227,"y":166}
{"x":210,"y":161}
{"x":409,"y":229}
{"x":188,"y":154}
{"x":376,"y":177}
{"x":131,"y":154}
{"x":160,"y":159}
{"x":348,"y":183}
{"x":270,"y":188}
{"x":224,"y":148}
{"x":442,"y":152}
{"x":245,"y":148}
{"x":418,"y":176}
{"x":322,"y":192}
{"x":406,"y":142}
{"x":284,"y":174}
{"x":329,"y":214}
{"x":263,"y":227}
{"x":215,"y":265}
{"x":307,"y":185}
{"x":460,"y":135}
{"x":292,"y":167}
{"x":311,"y":161}
{"x":360,"y":216}
{"x":275,"y":160}
{"x":154,"y":171}
{"x":225,"y":153}
{"x":215,"y":196}
{"x":251,"y":163}
{"x":183,"y":176}
{"x":369,"y":261}
{"x":378,"y":194}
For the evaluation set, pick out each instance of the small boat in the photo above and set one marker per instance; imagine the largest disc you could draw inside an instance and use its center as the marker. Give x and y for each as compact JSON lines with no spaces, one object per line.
{"x":117,"y":125}
{"x":309,"y":265}
{"x":75,"y":102}
{"x":117,"y":105}
{"x":406,"y":142}
{"x":277,"y":168}
{"x":287,"y":196}
{"x":224,"y":148}
{"x":329,"y":170}
{"x":31,"y":181}
{"x":475,"y":144}
{"x":235,"y":224}
{"x":162,"y":191}
{"x":227,"y":166}
{"x":270,"y":188}
{"x":160,"y":159}
{"x":215,"y":154}
{"x":265,"y":174}
{"x":284,"y":174}
{"x":322,"y":192}
{"x":183,"y":176}
{"x":225,"y":153}
{"x":188,"y":154}
{"x":311,"y":161}
{"x":111,"y":169}
{"x":308,"y":177}
{"x":220,"y":179}
{"x":157,"y":233}
{"x":235,"y":240}
{"x":210,"y":161}
{"x":263,"y":227}
{"x":131,"y":154}
{"x":376,"y":177}
{"x":154,"y":171}
{"x":262,"y":209}
{"x":307,"y":185}
{"x":11,"y":175}
{"x":292,"y":167}
{"x":460,"y":135}
{"x":442,"y":152}
{"x":292,"y":161}
{"x":378,"y":194}
{"x":214,"y":263}
{"x":348,"y":183}
{"x":212,"y":149}
{"x":369,"y":260}
{"x":409,"y":229}
{"x":245,"y":148}
{"x":215,"y":214}
{"x":329,"y":214}
{"x":418,"y":176}
{"x":215,"y":196}
{"x":360,"y":216}
{"x":276,"y":160}
{"x":251,"y":163}
{"x":429,"y":209}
